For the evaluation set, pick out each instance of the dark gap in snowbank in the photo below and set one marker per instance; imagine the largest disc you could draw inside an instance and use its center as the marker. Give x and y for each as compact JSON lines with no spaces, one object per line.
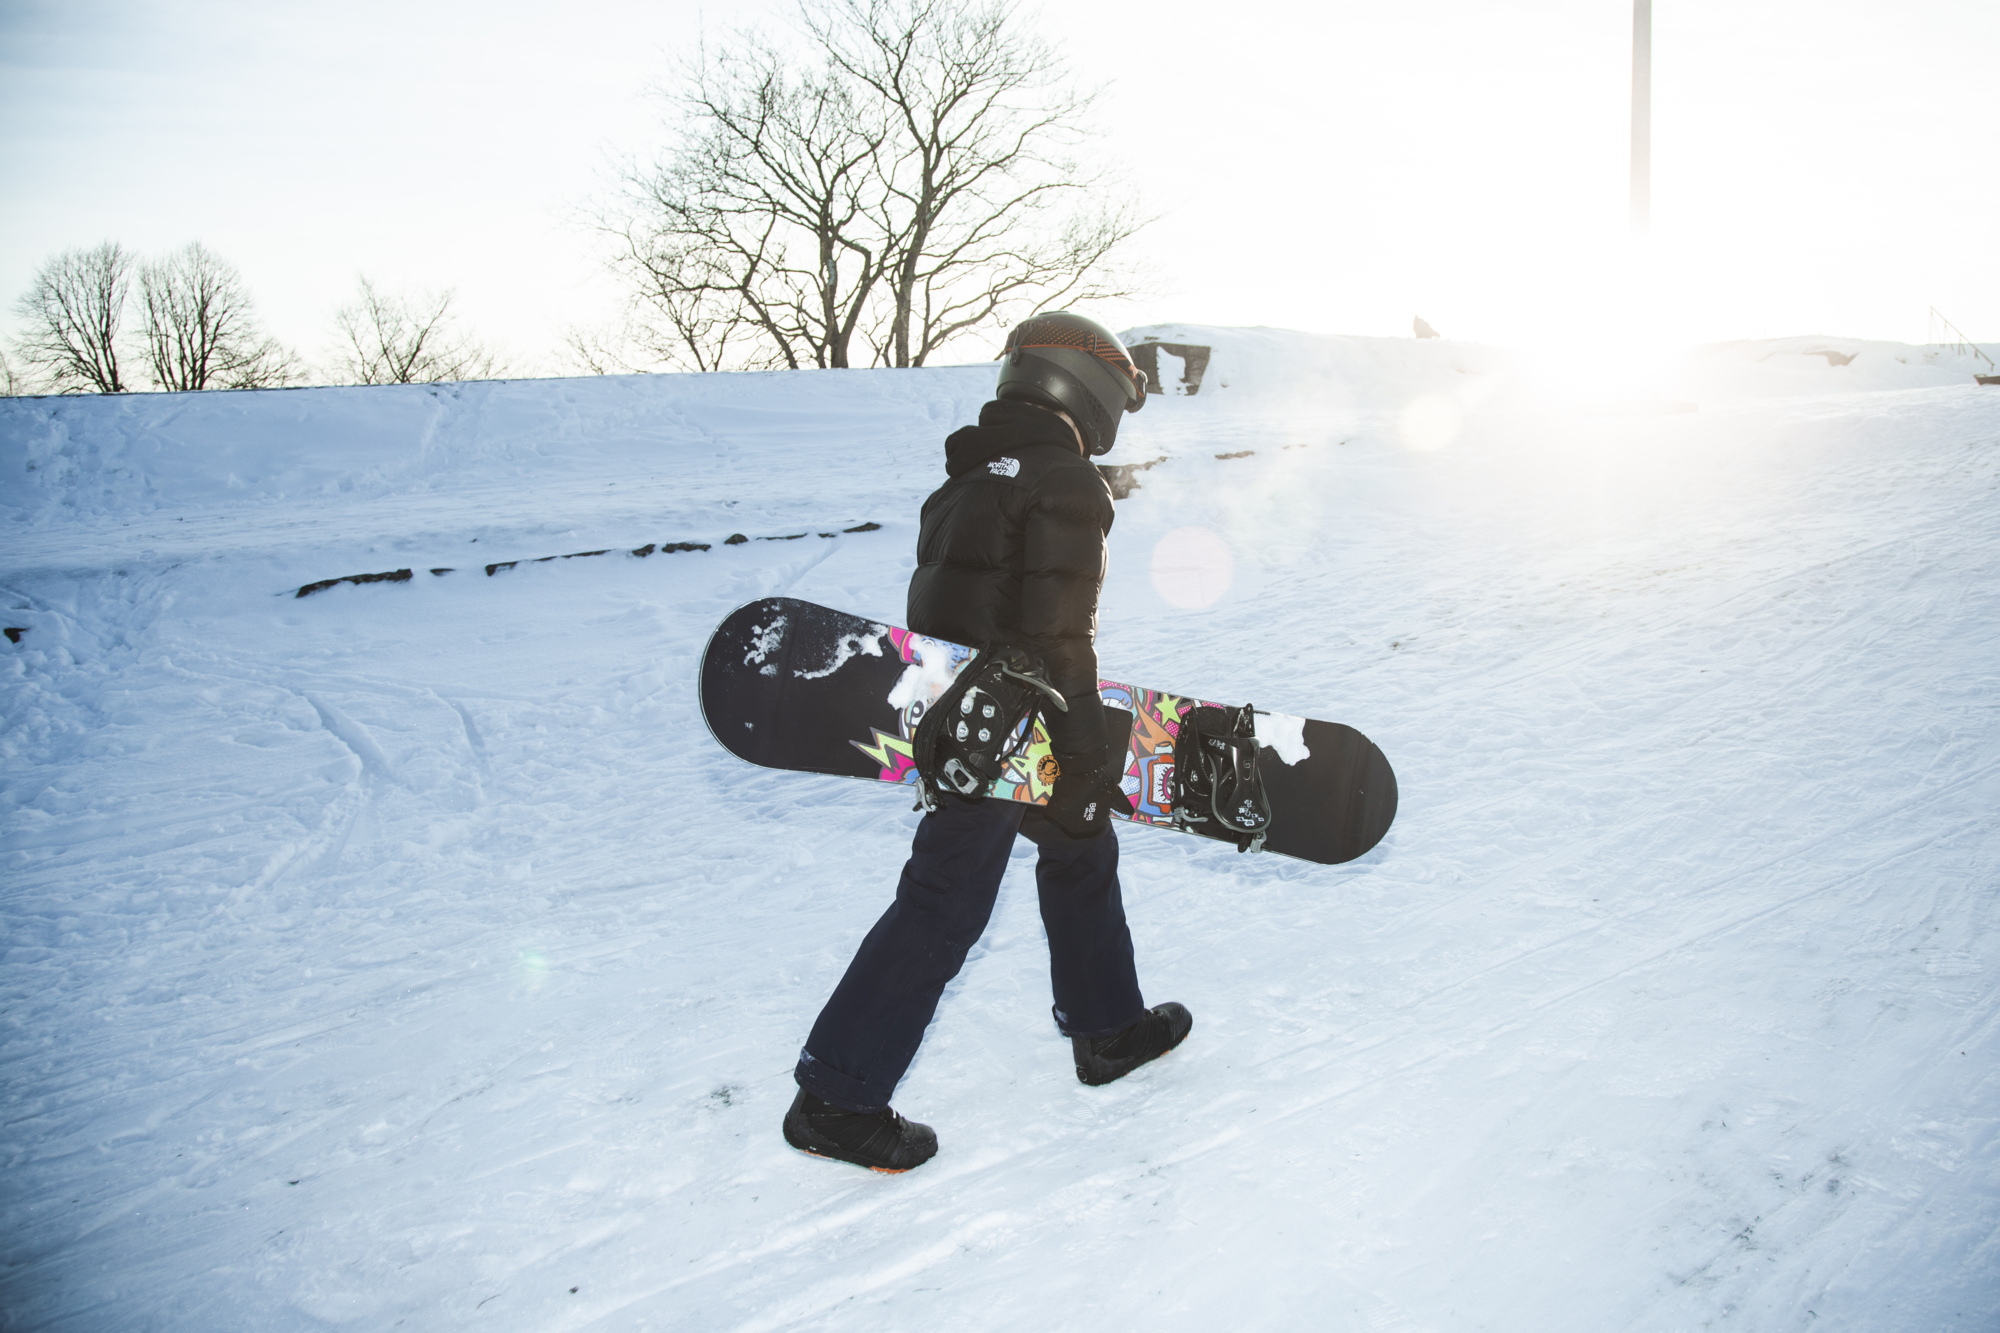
{"x":642,"y":552}
{"x":663,"y":548}
{"x":390,"y":576}
{"x":1193,"y":365}
{"x":1123,"y":478}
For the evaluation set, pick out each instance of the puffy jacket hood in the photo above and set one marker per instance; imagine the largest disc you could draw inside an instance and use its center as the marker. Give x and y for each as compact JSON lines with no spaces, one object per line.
{"x":1003,"y":428}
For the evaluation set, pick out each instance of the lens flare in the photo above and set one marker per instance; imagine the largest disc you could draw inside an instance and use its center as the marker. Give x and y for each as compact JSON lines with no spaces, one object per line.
{"x":1192,"y":568}
{"x":1612,"y":339}
{"x":1431,"y":422}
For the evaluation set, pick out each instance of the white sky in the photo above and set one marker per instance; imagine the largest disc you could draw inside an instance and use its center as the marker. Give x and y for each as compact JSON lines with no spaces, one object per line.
{"x":1820,"y":166}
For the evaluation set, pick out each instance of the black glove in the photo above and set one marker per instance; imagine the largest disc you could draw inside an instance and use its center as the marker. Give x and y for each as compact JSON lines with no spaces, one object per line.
{"x":1086,"y":790}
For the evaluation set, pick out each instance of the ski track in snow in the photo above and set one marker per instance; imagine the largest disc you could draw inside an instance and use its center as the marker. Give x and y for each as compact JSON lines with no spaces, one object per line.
{"x":409,"y":955}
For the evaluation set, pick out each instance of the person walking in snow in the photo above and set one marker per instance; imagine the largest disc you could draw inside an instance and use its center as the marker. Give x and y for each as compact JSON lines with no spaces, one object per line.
{"x":1010,"y":552}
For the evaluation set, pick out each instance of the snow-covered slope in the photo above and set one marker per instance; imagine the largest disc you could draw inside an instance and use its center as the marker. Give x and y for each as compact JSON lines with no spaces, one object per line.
{"x":407,"y":954}
{"x":1775,"y":367}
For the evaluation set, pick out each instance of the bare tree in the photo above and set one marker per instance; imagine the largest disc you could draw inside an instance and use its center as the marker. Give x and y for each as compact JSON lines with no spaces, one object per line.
{"x":701,"y":307}
{"x":760,"y":226}
{"x":910,"y":182}
{"x":9,"y":384}
{"x":980,"y":167}
{"x":73,"y":311}
{"x":599,"y":351}
{"x":200,"y":330}
{"x":397,"y":339}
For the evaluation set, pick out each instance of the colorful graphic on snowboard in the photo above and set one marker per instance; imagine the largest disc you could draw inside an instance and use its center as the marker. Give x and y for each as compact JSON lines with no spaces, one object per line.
{"x":791,"y":685}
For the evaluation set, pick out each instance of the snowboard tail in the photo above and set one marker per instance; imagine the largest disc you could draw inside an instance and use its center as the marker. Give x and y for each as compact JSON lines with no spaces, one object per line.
{"x":791,"y":685}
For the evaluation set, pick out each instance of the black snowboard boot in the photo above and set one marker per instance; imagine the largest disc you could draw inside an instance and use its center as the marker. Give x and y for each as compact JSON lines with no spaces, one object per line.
{"x":1101,"y":1060}
{"x":881,"y":1139}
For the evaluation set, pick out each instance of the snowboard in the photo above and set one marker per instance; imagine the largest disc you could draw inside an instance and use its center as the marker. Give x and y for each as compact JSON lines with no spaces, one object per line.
{"x":791,"y":685}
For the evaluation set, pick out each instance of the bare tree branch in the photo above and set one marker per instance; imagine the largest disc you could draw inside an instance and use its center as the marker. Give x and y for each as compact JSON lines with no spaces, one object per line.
{"x":407,"y":339}
{"x":910,"y":183}
{"x":200,"y":332}
{"x":599,"y":351}
{"x":980,"y":173}
{"x":73,"y":311}
{"x":756,"y":230}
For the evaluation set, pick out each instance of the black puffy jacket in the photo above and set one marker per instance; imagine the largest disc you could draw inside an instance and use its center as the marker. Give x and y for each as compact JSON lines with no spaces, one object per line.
{"x":1012,"y":551}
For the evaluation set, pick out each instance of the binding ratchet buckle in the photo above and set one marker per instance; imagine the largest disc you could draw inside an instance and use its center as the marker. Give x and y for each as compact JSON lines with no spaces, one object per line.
{"x":1216,"y":788}
{"x":982,"y":720}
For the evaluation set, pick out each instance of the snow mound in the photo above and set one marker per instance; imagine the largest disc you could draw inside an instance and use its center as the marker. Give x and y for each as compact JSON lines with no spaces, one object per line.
{"x":1277,"y":370}
{"x":1269,"y":373}
{"x":410,"y":955}
{"x":340,"y":450}
{"x":66,"y":457}
{"x":1806,"y":366}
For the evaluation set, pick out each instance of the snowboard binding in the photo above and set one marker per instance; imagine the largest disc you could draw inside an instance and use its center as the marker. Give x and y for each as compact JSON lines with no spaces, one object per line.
{"x":985,"y":718}
{"x":1216,"y":789}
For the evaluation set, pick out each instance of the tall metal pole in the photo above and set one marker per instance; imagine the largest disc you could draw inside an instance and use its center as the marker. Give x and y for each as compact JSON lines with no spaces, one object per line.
{"x":1642,"y":116}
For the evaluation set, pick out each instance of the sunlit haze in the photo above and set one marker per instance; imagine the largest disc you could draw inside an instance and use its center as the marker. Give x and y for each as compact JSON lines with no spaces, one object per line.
{"x":1818,"y":167}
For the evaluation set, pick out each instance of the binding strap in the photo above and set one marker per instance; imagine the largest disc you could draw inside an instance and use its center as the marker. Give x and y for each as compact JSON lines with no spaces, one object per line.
{"x":983,"y":719}
{"x":1217,"y":789}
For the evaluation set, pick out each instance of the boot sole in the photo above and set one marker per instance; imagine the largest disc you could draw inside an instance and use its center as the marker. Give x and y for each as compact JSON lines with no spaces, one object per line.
{"x":1082,"y":1078}
{"x":829,"y":1157}
{"x":1105,"y":1083}
{"x":800,"y":1141}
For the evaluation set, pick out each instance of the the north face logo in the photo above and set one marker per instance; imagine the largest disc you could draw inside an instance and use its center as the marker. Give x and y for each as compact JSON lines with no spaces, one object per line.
{"x":1005,"y":467}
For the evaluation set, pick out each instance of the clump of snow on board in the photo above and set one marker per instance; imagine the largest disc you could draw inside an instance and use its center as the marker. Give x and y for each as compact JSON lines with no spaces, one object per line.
{"x":929,"y":676}
{"x":1284,"y":734}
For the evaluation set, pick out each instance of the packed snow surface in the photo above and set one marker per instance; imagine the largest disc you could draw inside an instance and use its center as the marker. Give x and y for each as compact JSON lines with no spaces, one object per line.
{"x":407,"y":954}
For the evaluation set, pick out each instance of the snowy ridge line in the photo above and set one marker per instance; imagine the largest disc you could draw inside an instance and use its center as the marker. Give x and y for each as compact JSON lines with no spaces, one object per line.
{"x":818,"y":1227}
{"x":1704,"y":930}
{"x":1704,"y":892}
{"x":664,"y":548}
{"x":1516,"y":1019}
{"x":1522,"y":667}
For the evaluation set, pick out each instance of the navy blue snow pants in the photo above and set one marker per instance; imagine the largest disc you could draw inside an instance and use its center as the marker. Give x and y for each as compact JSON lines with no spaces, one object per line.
{"x":870,"y":1029}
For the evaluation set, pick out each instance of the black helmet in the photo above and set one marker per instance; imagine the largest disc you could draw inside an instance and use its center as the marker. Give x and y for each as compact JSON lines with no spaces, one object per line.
{"x":1074,"y":365}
